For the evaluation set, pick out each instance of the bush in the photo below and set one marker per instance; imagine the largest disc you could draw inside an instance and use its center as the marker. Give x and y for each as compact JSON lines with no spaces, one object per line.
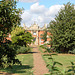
{"x":8,"y":55}
{"x":44,"y":46}
{"x":72,"y":52}
{"x":48,"y":49}
{"x":23,"y":50}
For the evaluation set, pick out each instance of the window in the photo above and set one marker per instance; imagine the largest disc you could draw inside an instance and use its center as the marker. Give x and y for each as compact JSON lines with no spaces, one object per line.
{"x":34,"y":33}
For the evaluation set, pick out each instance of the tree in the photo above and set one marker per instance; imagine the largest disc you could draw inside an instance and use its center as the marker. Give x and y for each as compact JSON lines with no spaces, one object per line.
{"x":9,"y":17}
{"x":63,"y":29}
{"x":20,"y":37}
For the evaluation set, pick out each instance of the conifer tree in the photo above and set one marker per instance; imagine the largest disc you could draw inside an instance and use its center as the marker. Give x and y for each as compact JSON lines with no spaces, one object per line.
{"x":63,"y":29}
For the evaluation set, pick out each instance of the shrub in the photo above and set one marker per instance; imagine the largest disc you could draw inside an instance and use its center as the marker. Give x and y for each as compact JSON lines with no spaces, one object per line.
{"x":48,"y":49}
{"x":8,"y":56}
{"x":44,"y":46}
{"x":72,"y":52}
{"x":23,"y":50}
{"x":20,"y":37}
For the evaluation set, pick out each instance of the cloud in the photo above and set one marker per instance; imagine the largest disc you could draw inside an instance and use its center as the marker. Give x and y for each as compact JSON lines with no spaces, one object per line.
{"x":28,"y":0}
{"x":37,"y":9}
{"x":53,"y":10}
{"x":40,"y":14}
{"x":26,"y":16}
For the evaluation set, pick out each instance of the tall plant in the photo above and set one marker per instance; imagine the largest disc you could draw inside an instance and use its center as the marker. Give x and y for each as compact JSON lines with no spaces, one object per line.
{"x":63,"y":29}
{"x":9,"y":17}
{"x":54,"y":70}
{"x":20,"y":37}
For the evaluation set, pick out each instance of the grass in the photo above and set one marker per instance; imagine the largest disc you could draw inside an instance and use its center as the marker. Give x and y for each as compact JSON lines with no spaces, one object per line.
{"x":62,"y":58}
{"x":65,"y":59}
{"x":25,"y":69}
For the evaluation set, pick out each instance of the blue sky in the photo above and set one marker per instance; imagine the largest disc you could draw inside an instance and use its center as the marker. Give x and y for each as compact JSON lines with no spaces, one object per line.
{"x":47,"y":3}
{"x":41,"y":11}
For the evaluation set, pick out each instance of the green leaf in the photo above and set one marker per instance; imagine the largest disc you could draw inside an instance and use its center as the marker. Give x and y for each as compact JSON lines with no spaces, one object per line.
{"x":50,"y":58}
{"x":72,"y":63}
{"x":57,"y":63}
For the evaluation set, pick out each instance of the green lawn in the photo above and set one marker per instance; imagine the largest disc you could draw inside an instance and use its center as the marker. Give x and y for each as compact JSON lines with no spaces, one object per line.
{"x":25,"y":69}
{"x":65,"y":59}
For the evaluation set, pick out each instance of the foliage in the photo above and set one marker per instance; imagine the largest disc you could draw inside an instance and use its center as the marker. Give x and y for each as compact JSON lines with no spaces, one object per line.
{"x":23,"y":50}
{"x":71,"y":69}
{"x":54,"y":70}
{"x":47,"y":49}
{"x":43,"y":46}
{"x":63,"y":29}
{"x":20,"y":37}
{"x":72,"y":51}
{"x":9,"y":17}
{"x":8,"y":55}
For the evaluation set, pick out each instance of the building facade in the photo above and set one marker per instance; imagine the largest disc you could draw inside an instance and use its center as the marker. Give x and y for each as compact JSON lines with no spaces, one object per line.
{"x":36,"y":32}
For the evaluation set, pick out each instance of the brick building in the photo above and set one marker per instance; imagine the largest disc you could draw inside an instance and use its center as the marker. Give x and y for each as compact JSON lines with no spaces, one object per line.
{"x":36,"y":32}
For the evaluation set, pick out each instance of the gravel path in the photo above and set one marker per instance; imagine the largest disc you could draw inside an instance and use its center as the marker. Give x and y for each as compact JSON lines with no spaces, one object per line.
{"x":39,"y":64}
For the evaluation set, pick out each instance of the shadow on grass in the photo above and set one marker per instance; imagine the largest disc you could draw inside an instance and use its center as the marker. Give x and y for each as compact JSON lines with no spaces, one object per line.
{"x":17,"y":69}
{"x":32,"y":52}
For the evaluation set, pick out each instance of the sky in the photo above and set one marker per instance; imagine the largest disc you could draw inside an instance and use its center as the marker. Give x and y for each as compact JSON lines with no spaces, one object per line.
{"x":40,"y":11}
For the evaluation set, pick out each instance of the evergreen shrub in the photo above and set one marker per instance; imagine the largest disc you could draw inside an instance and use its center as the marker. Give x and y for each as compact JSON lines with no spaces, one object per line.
{"x":72,"y":52}
{"x":23,"y":50}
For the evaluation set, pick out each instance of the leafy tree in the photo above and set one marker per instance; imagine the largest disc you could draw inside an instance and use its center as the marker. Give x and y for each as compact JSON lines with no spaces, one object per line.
{"x":20,"y":37}
{"x":63,"y":29}
{"x":9,"y":17}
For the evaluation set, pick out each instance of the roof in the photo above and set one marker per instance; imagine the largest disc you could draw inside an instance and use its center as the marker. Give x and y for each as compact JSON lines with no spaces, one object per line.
{"x":34,"y":27}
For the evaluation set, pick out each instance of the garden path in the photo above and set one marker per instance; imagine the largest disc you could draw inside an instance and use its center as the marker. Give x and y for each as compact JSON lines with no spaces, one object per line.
{"x":39,"y":64}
